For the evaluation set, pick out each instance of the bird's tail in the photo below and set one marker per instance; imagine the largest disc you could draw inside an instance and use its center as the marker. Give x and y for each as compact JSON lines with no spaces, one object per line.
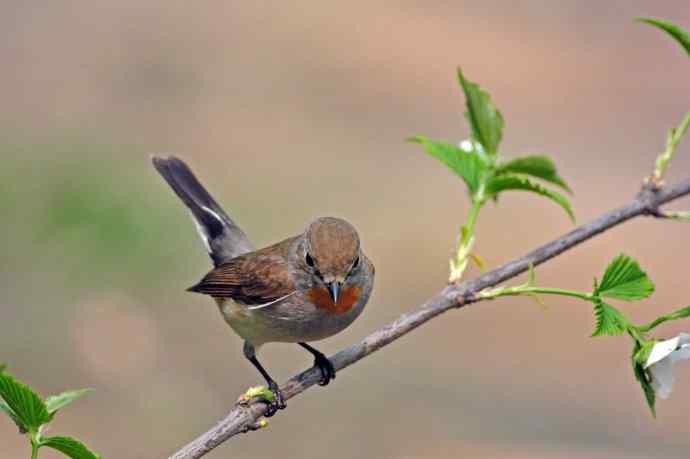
{"x":223,"y":238}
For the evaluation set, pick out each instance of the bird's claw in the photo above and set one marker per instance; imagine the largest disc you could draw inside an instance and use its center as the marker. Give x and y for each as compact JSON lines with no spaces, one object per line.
{"x":278,"y":402}
{"x":326,"y":367}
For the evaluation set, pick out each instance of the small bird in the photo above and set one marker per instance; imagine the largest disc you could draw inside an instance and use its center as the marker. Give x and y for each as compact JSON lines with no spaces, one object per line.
{"x":305,"y":288}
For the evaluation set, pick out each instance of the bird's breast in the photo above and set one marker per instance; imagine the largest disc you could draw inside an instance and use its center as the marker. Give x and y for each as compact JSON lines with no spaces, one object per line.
{"x":322,"y":299}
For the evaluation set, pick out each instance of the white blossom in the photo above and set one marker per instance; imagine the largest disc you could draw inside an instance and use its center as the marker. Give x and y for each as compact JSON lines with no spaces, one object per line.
{"x":661,"y":360}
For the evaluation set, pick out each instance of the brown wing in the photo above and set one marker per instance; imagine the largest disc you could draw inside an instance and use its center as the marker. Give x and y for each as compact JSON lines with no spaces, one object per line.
{"x":252,"y":279}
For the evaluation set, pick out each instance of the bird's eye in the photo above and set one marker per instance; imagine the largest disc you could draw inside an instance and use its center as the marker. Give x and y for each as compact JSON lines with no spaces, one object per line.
{"x":355,"y":263}
{"x":309,"y":260}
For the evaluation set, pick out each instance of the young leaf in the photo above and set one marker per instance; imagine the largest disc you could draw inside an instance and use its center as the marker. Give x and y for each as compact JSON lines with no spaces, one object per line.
{"x":261,"y":392}
{"x":642,"y":377}
{"x":486,"y":122}
{"x":677,"y":32}
{"x":69,"y":447}
{"x":466,"y":164}
{"x":609,"y":319}
{"x":55,"y":402}
{"x":515,"y":182}
{"x":625,"y":280}
{"x":673,"y":138}
{"x":537,"y":166}
{"x":27,"y":406}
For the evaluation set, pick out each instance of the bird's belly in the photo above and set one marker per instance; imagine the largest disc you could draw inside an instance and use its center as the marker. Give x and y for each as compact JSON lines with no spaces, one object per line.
{"x":290,"y":320}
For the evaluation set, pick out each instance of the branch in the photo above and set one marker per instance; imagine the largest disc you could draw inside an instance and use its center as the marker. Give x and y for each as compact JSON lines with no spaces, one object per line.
{"x":243,"y":418}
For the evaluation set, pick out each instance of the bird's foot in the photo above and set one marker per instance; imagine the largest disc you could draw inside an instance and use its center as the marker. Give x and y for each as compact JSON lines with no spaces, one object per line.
{"x":278,"y":402}
{"x":327,"y":369}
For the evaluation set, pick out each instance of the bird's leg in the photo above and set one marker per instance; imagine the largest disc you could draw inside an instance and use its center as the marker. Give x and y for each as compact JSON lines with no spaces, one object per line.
{"x":278,"y":402}
{"x":322,"y":363}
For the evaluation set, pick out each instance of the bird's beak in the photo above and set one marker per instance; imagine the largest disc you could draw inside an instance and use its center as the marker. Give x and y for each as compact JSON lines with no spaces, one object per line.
{"x":334,"y":290}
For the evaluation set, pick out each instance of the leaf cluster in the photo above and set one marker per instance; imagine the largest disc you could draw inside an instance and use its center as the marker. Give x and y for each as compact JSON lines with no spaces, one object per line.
{"x":625,"y":280}
{"x":479,"y":164}
{"x":31,"y":413}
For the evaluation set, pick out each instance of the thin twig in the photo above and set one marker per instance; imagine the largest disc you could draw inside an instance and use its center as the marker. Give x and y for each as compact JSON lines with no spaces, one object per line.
{"x":678,"y":215}
{"x":243,"y":418}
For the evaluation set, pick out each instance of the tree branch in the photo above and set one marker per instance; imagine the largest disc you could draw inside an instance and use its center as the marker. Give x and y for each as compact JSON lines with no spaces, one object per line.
{"x":243,"y":418}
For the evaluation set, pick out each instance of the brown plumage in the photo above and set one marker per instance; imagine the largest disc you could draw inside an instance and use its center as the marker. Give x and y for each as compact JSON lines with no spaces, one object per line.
{"x":254,"y":278}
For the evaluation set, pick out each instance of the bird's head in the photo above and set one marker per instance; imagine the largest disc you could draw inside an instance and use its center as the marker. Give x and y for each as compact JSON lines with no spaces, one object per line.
{"x":329,"y":256}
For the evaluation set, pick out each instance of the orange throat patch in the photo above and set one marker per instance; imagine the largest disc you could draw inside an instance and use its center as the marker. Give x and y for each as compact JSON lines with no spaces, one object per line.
{"x":321,"y":298}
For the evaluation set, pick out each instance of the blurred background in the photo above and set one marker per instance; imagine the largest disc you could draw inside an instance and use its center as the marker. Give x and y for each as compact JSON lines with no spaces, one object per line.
{"x":288,"y":111}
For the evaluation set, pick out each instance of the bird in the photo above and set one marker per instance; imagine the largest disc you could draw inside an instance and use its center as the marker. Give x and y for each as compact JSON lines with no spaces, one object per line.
{"x":304,"y":288}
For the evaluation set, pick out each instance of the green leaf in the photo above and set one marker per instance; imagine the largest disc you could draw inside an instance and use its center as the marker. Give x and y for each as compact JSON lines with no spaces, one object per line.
{"x":642,"y":377}
{"x":486,"y":122}
{"x":69,"y":447}
{"x":466,"y":164}
{"x":55,"y":402}
{"x":26,"y":405}
{"x":537,"y":166}
{"x":5,"y":408}
{"x":625,"y":280}
{"x":8,"y":411}
{"x":677,"y":32}
{"x":506,"y":182}
{"x":610,"y":321}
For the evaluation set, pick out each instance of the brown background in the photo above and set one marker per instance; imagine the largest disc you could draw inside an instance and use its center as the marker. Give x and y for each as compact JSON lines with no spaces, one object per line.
{"x":293,"y":110}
